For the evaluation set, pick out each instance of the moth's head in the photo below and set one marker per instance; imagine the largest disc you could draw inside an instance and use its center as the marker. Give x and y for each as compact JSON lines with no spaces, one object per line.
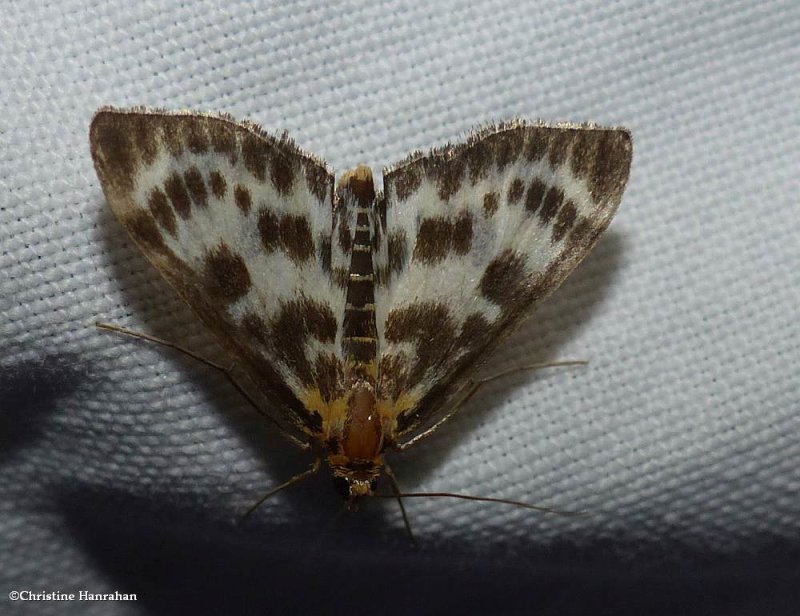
{"x":357,"y":184}
{"x":353,"y":479}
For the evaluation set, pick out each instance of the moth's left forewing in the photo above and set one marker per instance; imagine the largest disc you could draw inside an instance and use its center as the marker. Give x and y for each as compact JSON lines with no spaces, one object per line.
{"x":239,"y":223}
{"x":476,"y":234}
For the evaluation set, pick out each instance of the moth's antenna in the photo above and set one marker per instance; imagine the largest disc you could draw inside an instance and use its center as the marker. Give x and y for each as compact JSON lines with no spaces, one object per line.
{"x":111,"y":327}
{"x":226,"y":371}
{"x":472,"y":388}
{"x":299,"y":477}
{"x":397,"y":494}
{"x":550,"y":364}
{"x":483,"y":499}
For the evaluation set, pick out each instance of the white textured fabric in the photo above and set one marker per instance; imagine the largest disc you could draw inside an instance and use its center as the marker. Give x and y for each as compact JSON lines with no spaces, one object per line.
{"x":124,"y":466}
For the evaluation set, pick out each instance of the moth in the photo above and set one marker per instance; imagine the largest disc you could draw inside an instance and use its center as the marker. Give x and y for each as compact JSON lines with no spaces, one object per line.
{"x":358,"y":314}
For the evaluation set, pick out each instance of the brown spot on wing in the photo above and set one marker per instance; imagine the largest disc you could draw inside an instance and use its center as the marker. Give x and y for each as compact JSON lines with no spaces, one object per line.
{"x":503,"y":282}
{"x":161,"y":211}
{"x":393,"y":375}
{"x":196,"y":186}
{"x":282,"y":174}
{"x":254,"y":156}
{"x":475,"y":335}
{"x":508,"y":146}
{"x":439,"y":236}
{"x":433,"y":240}
{"x":535,"y":195}
{"x":172,"y":135}
{"x":583,"y":233}
{"x":319,"y":181}
{"x":225,"y":274}
{"x":144,"y":229}
{"x":176,"y":191}
{"x":111,"y":148}
{"x":475,"y":332}
{"x":552,"y":201}
{"x":288,"y":338}
{"x":143,"y":131}
{"x":267,"y":377}
{"x":218,"y":184}
{"x":196,"y":139}
{"x":290,"y":233}
{"x":406,"y":181}
{"x":427,"y":324}
{"x":559,"y":147}
{"x":462,"y":233}
{"x":242,"y":198}
{"x":448,"y":178}
{"x":611,"y":166}
{"x":329,"y":376}
{"x":296,"y":237}
{"x":584,"y":151}
{"x":479,"y":160}
{"x":565,"y":220}
{"x":223,"y":139}
{"x":397,"y":249}
{"x":408,"y":419}
{"x":289,"y":331}
{"x":318,"y":318}
{"x":515,"y":191}
{"x":537,"y":144}
{"x":269,"y":229}
{"x":490,"y":204}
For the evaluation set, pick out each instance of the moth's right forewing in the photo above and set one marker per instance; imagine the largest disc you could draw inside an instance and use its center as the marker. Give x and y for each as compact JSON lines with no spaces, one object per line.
{"x":476,"y":235}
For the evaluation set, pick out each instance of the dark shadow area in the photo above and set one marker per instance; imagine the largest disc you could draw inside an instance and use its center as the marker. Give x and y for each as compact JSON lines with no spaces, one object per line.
{"x":181,"y":563}
{"x":29,"y":392}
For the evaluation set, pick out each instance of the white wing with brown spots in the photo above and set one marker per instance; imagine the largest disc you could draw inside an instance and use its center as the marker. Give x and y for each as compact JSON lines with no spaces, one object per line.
{"x":240,"y":224}
{"x":476,"y":235}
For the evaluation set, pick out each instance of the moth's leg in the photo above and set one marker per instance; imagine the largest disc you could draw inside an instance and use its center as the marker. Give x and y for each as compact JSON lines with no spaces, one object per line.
{"x":396,"y":490}
{"x":299,"y":477}
{"x":228,"y":372}
{"x":472,"y":387}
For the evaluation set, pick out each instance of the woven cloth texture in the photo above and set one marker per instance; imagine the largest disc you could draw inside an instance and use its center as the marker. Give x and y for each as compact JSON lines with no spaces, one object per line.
{"x":126,"y":466}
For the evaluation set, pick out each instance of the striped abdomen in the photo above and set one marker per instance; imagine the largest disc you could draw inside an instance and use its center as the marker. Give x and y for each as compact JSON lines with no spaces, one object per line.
{"x":359,"y":336}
